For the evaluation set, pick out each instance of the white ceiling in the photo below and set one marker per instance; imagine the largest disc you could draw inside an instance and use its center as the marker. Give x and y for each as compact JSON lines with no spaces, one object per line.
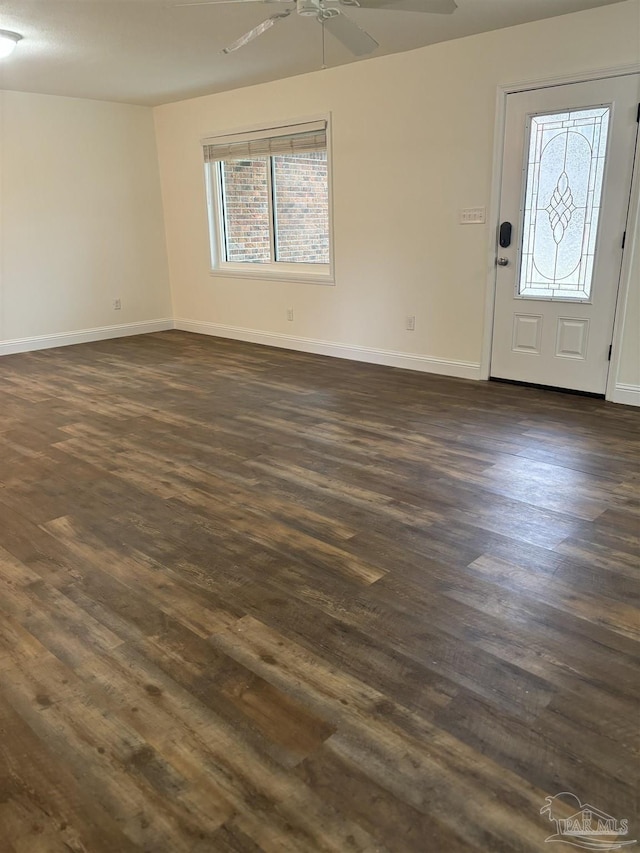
{"x":152,"y":52}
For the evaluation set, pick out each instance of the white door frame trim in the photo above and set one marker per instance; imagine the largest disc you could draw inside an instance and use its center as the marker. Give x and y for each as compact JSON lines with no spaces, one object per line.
{"x":503,"y":91}
{"x":631,"y":247}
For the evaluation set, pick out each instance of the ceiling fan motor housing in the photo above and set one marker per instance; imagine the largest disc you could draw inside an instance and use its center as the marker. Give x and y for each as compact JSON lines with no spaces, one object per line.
{"x":308,"y":7}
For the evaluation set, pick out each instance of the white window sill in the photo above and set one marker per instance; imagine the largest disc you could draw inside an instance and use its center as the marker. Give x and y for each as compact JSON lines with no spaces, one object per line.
{"x":254,"y":272}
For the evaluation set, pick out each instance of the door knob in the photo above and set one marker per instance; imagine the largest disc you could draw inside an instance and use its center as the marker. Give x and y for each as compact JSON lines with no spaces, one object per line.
{"x":502,"y":262}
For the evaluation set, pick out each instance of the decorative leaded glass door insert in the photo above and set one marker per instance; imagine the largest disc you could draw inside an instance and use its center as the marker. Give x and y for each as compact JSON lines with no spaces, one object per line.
{"x":566,"y":177}
{"x":565,"y":170}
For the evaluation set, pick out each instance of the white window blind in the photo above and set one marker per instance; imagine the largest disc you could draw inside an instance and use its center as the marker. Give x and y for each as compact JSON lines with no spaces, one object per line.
{"x":295,"y":139}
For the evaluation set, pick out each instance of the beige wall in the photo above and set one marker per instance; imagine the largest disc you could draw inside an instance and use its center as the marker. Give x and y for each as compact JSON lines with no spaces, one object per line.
{"x":412,"y":143}
{"x":81,"y":216}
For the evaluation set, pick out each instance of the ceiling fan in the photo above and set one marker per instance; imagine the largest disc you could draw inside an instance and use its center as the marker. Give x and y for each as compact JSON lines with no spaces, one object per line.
{"x":329,"y":13}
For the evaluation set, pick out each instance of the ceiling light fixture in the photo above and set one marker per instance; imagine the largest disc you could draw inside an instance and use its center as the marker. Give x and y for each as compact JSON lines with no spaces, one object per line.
{"x":8,"y":42}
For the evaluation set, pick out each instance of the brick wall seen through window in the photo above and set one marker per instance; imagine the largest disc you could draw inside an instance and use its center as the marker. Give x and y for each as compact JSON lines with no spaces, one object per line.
{"x":300,"y":208}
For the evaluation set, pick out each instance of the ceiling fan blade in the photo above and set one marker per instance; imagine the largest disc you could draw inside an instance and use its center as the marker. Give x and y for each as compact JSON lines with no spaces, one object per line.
{"x":256,"y":31}
{"x":351,"y":35}
{"x":436,"y":7}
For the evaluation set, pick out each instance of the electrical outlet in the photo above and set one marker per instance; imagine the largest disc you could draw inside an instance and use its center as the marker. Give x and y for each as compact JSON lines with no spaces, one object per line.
{"x":290,"y":314}
{"x":117,"y":304}
{"x":411,"y":323}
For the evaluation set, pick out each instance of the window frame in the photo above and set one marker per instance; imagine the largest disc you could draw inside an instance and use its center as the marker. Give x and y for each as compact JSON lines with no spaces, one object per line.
{"x":274,"y":270}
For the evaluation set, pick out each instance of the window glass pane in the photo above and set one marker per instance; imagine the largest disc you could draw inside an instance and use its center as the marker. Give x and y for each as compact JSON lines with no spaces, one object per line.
{"x":301,"y":193}
{"x":565,"y":169}
{"x":245,"y":195}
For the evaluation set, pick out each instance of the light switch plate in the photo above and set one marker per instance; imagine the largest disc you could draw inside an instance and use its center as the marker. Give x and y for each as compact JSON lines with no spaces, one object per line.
{"x":473,"y":216}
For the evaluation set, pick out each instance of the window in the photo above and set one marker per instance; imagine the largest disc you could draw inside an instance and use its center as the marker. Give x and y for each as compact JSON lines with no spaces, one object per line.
{"x":268,"y":198}
{"x":564,"y":169}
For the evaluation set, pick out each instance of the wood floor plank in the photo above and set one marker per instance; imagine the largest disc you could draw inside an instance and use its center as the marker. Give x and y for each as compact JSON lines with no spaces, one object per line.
{"x":261,"y":601}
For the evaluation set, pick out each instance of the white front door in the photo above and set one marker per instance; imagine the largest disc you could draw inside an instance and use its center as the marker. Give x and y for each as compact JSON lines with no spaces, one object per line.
{"x":567,"y":166}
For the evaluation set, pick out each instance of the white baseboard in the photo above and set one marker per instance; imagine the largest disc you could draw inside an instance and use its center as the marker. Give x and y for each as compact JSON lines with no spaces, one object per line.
{"x":628,"y":395}
{"x":390,"y":358}
{"x":63,"y":339}
{"x":625,"y":394}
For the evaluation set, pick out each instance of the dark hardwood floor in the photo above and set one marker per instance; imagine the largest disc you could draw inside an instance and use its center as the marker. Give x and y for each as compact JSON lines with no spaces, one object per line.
{"x":257,"y":600}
